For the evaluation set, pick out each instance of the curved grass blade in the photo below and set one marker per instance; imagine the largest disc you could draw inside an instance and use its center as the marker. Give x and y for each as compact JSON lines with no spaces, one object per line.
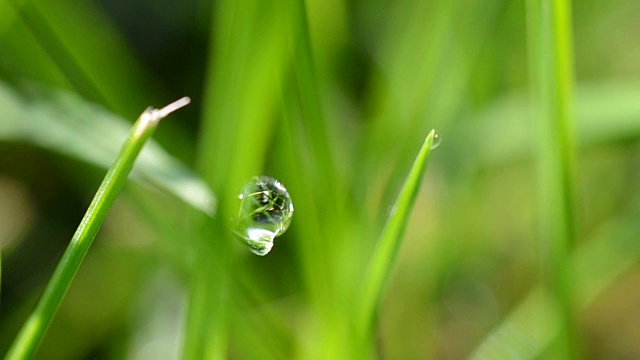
{"x":68,"y":58}
{"x":391,"y":238}
{"x":33,"y":331}
{"x":66,"y":124}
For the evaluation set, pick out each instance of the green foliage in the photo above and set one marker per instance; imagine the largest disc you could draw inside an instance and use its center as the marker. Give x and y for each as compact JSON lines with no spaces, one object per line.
{"x":35,"y":327}
{"x":551,"y":57}
{"x":332,"y":98}
{"x":390,"y":240}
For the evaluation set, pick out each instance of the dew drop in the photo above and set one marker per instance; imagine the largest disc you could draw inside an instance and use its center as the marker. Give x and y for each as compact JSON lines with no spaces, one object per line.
{"x":265,"y":211}
{"x":437,"y":139}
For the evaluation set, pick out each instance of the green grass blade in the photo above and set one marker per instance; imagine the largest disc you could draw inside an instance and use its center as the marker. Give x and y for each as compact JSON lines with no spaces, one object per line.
{"x":67,"y":33}
{"x":247,"y":56}
{"x":309,"y":92}
{"x":532,"y":326}
{"x":391,"y":237}
{"x":606,"y":112}
{"x":33,"y":331}
{"x":552,"y":82}
{"x":64,"y":123}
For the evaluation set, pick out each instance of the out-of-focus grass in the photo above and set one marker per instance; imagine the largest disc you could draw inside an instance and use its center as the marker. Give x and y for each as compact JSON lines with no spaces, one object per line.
{"x":332,"y":98}
{"x":550,"y":38}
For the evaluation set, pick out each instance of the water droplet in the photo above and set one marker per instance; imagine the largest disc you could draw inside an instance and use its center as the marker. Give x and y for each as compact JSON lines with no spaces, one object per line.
{"x":437,"y":139}
{"x":264,"y":213}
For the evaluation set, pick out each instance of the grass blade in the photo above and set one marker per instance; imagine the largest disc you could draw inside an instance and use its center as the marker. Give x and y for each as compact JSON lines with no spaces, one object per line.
{"x":552,"y":82}
{"x":391,"y":238}
{"x":61,"y":32}
{"x":606,"y":112}
{"x":64,"y":123}
{"x":31,"y":334}
{"x":532,"y":326}
{"x":247,"y":56}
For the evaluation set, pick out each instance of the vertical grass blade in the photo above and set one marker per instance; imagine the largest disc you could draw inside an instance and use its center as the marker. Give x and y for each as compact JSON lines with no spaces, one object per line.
{"x":391,"y":238}
{"x":308,"y":87}
{"x":550,"y":44}
{"x":34,"y":329}
{"x":246,"y":57}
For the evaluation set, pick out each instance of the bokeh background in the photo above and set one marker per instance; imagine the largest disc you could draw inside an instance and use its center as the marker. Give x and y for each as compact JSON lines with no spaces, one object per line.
{"x":383,"y":73}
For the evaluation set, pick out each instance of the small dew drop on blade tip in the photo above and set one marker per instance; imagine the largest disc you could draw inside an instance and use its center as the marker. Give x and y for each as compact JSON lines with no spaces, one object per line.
{"x":437,"y":139}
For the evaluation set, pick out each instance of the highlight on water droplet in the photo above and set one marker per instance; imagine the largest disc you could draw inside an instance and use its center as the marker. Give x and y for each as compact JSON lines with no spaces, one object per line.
{"x":265,"y":212}
{"x":437,"y":139}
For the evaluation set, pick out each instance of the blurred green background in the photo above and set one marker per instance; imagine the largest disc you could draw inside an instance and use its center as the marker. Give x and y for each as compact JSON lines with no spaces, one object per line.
{"x":338,"y":119}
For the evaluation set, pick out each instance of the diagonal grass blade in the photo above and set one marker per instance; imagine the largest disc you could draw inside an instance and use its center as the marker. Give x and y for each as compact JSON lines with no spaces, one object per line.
{"x":34,"y":329}
{"x":391,"y":238}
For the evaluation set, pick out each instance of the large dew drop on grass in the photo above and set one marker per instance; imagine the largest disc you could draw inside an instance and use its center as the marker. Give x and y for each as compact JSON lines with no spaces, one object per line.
{"x":264,"y":213}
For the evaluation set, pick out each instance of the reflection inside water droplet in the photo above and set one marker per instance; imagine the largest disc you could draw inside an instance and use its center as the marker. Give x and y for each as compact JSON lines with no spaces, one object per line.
{"x":264,"y":213}
{"x":437,"y":139}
